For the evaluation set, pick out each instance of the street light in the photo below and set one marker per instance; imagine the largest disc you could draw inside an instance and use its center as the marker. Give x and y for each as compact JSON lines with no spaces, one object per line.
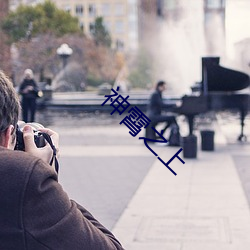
{"x":64,"y":51}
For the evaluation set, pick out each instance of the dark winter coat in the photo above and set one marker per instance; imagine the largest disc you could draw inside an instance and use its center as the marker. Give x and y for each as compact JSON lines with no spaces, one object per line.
{"x":36,"y":214}
{"x":32,"y":93}
{"x":155,"y":104}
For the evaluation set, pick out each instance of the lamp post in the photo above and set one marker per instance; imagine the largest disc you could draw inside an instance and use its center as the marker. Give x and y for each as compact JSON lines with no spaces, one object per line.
{"x":64,"y":51}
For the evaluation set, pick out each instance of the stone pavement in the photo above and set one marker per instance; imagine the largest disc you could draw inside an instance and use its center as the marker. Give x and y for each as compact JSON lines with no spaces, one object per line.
{"x":145,"y":205}
{"x":101,"y":167}
{"x":203,"y":207}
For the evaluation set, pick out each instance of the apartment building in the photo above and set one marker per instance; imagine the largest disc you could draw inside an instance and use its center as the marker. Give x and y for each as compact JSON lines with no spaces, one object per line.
{"x":120,"y":18}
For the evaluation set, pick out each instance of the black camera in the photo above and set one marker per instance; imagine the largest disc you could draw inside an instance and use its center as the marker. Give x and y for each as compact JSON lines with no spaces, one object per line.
{"x":38,"y":137}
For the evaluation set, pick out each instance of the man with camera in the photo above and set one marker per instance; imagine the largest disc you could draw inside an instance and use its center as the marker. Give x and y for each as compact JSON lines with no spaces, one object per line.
{"x":35,"y":212}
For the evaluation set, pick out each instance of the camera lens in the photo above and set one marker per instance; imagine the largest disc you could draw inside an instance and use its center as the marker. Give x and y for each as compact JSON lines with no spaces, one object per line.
{"x":38,"y":137}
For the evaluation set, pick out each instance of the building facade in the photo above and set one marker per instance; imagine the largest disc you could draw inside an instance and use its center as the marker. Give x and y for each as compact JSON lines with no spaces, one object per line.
{"x":120,"y":18}
{"x":208,"y":13}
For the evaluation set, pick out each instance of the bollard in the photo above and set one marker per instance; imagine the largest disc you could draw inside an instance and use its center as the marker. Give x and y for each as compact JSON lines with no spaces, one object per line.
{"x":207,"y":140}
{"x":189,"y":145}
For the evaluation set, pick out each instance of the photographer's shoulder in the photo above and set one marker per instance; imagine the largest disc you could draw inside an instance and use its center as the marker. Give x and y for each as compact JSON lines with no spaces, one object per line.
{"x":19,"y":162}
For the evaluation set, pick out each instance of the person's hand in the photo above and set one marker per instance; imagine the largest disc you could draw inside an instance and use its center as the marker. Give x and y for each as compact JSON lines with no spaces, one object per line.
{"x":28,"y":89}
{"x":45,"y":153}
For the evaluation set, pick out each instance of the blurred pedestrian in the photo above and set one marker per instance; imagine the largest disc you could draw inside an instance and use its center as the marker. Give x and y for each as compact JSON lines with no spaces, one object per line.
{"x":29,"y":91}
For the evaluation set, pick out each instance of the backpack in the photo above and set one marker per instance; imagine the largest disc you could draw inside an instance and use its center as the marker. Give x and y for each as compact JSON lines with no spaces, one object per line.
{"x":174,"y":137}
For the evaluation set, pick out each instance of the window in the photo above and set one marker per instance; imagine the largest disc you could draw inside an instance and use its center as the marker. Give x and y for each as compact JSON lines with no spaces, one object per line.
{"x":82,"y":26}
{"x":119,"y":44}
{"x":92,"y":10}
{"x":119,"y":27}
{"x":107,"y":25}
{"x":119,"y":9}
{"x":67,"y":8}
{"x":106,"y":8}
{"x":79,"y":10}
{"x":91,"y":27}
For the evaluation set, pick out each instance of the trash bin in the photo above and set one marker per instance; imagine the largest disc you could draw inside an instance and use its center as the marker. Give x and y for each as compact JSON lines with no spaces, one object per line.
{"x":189,"y":146}
{"x":207,"y":140}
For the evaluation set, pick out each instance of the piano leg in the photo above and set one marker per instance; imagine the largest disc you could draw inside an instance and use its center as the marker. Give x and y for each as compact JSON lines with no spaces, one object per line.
{"x":241,"y":137}
{"x":190,"y":123}
{"x":243,"y":114}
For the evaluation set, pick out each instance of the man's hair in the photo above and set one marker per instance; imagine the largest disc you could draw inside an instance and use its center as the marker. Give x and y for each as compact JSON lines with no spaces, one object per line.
{"x":9,"y":104}
{"x":159,"y":84}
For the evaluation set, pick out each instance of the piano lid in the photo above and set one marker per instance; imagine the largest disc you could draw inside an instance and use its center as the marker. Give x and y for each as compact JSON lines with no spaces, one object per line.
{"x":218,"y":78}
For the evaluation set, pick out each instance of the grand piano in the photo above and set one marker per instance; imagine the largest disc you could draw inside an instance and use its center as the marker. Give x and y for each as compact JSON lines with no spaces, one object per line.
{"x":220,"y":89}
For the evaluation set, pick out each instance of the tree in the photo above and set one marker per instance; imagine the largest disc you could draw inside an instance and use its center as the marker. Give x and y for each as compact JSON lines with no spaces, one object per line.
{"x":5,"y":63}
{"x":100,"y":33}
{"x":42,"y":18}
{"x":96,"y":64}
{"x":141,"y":74}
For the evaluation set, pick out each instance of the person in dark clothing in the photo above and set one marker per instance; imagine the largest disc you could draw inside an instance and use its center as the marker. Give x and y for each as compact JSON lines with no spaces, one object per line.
{"x":156,"y":106}
{"x":35,"y":212}
{"x":29,"y":91}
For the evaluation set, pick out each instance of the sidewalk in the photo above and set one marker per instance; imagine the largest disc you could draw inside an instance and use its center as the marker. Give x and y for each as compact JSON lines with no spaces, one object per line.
{"x":203,"y":207}
{"x":123,"y":184}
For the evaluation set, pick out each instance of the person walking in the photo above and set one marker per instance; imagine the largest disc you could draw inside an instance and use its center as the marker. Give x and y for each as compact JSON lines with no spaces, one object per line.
{"x":29,"y":92}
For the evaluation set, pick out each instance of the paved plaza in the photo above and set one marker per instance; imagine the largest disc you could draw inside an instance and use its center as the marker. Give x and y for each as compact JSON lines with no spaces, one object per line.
{"x":123,"y":184}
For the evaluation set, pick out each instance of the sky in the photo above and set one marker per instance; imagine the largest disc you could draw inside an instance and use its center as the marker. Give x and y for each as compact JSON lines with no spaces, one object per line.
{"x":237,"y":23}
